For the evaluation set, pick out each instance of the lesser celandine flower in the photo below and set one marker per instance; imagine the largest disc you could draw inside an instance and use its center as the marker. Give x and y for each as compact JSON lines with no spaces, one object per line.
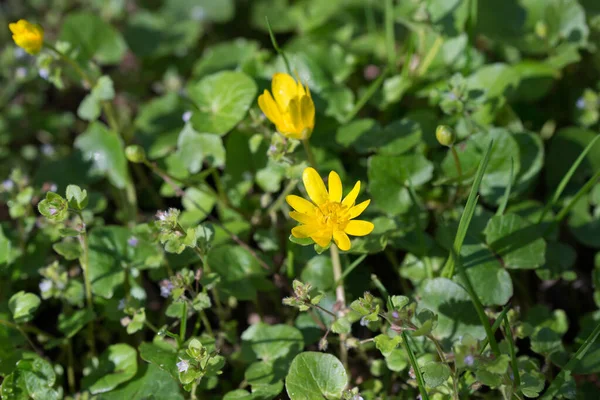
{"x":328,"y":216}
{"x":290,"y":108}
{"x":28,"y":36}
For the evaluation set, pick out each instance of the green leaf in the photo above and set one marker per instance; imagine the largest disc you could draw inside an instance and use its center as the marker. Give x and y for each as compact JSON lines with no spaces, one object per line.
{"x":76,"y":197}
{"x":71,"y":324}
{"x":54,"y":207}
{"x":104,"y":89}
{"x":23,"y":306}
{"x":149,"y":383}
{"x":36,"y":377}
{"x":223,"y":99}
{"x":271,"y":342}
{"x":161,"y":355}
{"x":5,"y":248}
{"x":69,"y":249}
{"x":241,"y":274}
{"x":201,"y":302}
{"x":226,"y":55}
{"x":516,"y":241}
{"x":435,"y":373}
{"x":117,"y":364}
{"x":105,"y":150}
{"x":194,"y":148}
{"x":452,"y":304}
{"x":110,"y":252}
{"x":93,"y":38}
{"x":318,"y":272}
{"x":89,"y":109}
{"x":397,"y":360}
{"x":387,"y":344}
{"x":389,"y":177}
{"x":314,"y":376}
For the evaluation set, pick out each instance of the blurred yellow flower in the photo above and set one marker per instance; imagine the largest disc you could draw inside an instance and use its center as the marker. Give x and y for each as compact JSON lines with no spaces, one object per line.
{"x":28,"y":36}
{"x":328,"y":216}
{"x":292,"y":110}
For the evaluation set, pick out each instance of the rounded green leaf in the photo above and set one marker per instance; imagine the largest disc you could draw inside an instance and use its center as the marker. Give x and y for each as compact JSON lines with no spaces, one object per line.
{"x":456,"y":314}
{"x":315,"y":376}
{"x":93,"y":38}
{"x":23,"y":306}
{"x":223,"y":99}
{"x":117,"y":364}
{"x":270,"y":342}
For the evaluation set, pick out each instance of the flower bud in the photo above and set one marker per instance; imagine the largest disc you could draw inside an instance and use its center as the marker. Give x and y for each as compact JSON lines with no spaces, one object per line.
{"x":445,"y":136}
{"x":135,"y":153}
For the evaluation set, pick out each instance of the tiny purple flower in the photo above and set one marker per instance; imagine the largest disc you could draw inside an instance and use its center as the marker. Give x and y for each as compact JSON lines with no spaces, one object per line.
{"x":183,"y":365}
{"x":8,"y":185}
{"x":53,"y":187}
{"x":44,"y":73}
{"x":469,"y":360}
{"x":121,"y":305}
{"x":47,"y":149}
{"x":395,"y":314}
{"x":166,"y":287}
{"x":132,"y":241}
{"x":452,"y":96}
{"x":45,"y":285}
{"x":186,"y":116}
{"x":364,"y":322}
{"x":52,"y":210}
{"x":580,"y":104}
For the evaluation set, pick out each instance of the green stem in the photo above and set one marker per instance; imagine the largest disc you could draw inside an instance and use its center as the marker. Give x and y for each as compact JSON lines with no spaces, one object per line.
{"x":277,"y":48}
{"x":366,"y":96}
{"x":584,"y":190}
{"x":457,"y":163}
{"x":70,"y":368}
{"x":390,"y":40}
{"x":183,"y":324}
{"x":430,"y":56}
{"x":340,"y":296}
{"x":415,"y":366}
{"x":309,"y":153}
{"x":513,"y":353}
{"x":206,"y":323}
{"x":84,"y":261}
{"x":276,"y":205}
{"x":478,"y":308}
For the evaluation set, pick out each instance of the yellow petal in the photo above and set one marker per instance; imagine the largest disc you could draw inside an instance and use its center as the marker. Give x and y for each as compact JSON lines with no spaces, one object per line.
{"x":295,"y":115}
{"x":308,"y":113}
{"x":304,"y":231}
{"x":269,"y":107}
{"x":351,"y":197}
{"x":322,"y":238}
{"x":335,"y":187}
{"x":359,"y":228}
{"x":314,"y":186}
{"x":302,"y":218}
{"x":341,"y":240}
{"x":358,"y":209}
{"x":301,"y":205}
{"x":284,"y":89}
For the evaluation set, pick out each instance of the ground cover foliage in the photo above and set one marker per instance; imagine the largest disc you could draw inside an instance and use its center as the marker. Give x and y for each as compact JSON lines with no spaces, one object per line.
{"x":272,"y":199}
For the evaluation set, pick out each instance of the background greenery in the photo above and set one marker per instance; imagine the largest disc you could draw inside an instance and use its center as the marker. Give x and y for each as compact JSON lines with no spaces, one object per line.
{"x":180,"y":79}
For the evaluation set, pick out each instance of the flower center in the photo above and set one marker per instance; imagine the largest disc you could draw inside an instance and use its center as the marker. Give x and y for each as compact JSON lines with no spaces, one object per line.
{"x":335,"y":215}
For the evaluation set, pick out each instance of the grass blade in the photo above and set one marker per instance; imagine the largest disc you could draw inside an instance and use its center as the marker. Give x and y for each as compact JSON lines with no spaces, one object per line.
{"x":495,"y":327}
{"x":465,"y":220}
{"x":565,"y":180}
{"x":277,"y":48}
{"x":566,"y":371}
{"x":415,"y":366}
{"x":513,"y":352}
{"x":504,"y":202}
{"x":390,"y":40}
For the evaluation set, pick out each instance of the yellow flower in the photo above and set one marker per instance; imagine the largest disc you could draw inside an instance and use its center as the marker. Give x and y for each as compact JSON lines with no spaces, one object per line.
{"x":292,"y":111}
{"x":328,"y":216}
{"x":28,"y":36}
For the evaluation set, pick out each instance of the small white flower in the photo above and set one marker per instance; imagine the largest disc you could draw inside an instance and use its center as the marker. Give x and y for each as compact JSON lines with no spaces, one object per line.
{"x":53,"y":187}
{"x":186,"y":116}
{"x":21,"y":72}
{"x":469,"y":360}
{"x":132,"y":241}
{"x":183,"y":365}
{"x":125,"y":321}
{"x":45,"y":285}
{"x":44,"y":73}
{"x":8,"y":185}
{"x":580,"y":104}
{"x":47,"y":149}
